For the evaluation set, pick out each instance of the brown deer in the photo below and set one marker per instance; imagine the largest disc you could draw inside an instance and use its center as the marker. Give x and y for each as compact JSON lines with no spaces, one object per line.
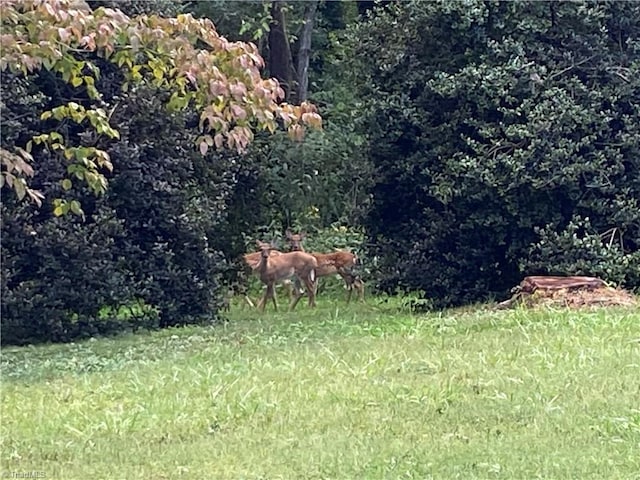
{"x":338,"y":262}
{"x":275,"y":268}
{"x":252,"y":260}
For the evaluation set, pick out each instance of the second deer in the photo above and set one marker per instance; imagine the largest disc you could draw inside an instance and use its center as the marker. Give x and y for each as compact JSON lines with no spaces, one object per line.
{"x":339,"y":262}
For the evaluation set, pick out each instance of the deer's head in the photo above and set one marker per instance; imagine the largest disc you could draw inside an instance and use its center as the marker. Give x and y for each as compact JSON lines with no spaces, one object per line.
{"x":265,"y":248}
{"x":295,"y":240}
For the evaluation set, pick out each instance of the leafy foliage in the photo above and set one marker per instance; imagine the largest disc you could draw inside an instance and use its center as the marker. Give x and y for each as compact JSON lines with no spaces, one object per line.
{"x":175,"y":54}
{"x":144,"y":243}
{"x":489,"y":120}
{"x":579,"y":250}
{"x":130,"y":95}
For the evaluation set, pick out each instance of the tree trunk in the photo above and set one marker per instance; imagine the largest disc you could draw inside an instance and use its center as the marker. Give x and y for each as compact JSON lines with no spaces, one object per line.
{"x":305,"y":50}
{"x":280,"y":63}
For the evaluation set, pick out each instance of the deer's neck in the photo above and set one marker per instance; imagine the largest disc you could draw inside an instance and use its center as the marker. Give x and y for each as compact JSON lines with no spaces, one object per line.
{"x":263,"y":266}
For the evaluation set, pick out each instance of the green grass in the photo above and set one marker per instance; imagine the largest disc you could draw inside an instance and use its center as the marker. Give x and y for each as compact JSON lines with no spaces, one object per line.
{"x":344,"y":392}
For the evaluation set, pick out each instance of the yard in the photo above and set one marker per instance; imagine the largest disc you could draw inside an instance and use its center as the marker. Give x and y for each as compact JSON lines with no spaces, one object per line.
{"x":365,"y":391}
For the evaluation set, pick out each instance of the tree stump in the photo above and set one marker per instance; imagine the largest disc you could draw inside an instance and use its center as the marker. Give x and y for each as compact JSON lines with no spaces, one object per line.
{"x":569,"y":291}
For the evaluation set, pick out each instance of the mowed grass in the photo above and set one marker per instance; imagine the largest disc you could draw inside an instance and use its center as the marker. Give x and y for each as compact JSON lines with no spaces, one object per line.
{"x":366,"y":391}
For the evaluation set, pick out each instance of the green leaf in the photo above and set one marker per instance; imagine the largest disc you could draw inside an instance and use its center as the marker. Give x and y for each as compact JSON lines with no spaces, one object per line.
{"x":76,"y":81}
{"x":56,"y":136}
{"x":66,"y":184}
{"x":58,"y":212}
{"x":93,"y":92}
{"x":76,"y":208}
{"x":60,"y":112}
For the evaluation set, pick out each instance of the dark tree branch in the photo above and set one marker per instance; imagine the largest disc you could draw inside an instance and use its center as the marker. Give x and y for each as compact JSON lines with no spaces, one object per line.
{"x":305,"y":50}
{"x":280,"y":63}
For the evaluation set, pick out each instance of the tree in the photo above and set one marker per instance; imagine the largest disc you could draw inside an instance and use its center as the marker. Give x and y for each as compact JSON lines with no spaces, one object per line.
{"x":280,"y":60}
{"x":143,"y":254}
{"x":304,"y":52}
{"x":183,"y":55}
{"x":146,"y":253}
{"x":328,"y":173}
{"x":283,"y":30}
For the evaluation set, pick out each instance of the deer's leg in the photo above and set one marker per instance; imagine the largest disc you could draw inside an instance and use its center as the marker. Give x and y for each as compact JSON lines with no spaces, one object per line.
{"x":311,"y":283}
{"x":360,"y":286}
{"x":249,"y":302}
{"x":294,"y":301}
{"x":273,"y":297}
{"x":295,"y":288}
{"x":311,"y":293}
{"x":297,"y":294}
{"x":348,"y":281}
{"x":352,"y":281}
{"x":265,"y":298}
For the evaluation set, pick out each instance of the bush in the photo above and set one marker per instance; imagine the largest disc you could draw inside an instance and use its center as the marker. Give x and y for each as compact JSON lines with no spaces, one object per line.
{"x":488,"y":122}
{"x":579,"y":250}
{"x":146,"y":242}
{"x":169,"y":211}
{"x":59,"y":272}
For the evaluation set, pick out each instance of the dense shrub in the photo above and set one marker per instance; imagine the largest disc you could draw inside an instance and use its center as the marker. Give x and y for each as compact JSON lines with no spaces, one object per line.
{"x":168,"y":211}
{"x":580,"y":250}
{"x":145,"y":243}
{"x":488,"y":121}
{"x":56,"y":273}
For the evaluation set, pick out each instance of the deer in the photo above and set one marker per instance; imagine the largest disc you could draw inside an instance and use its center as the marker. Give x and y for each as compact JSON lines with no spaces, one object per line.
{"x":339,"y":262}
{"x":252,"y":260}
{"x":275,"y":268}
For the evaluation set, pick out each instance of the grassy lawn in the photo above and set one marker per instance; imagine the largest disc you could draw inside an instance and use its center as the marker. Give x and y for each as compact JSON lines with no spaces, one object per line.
{"x":361,"y":392}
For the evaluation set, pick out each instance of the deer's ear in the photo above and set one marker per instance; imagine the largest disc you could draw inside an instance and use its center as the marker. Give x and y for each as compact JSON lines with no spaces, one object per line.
{"x":303,"y":235}
{"x":258,"y":243}
{"x":288,"y":234}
